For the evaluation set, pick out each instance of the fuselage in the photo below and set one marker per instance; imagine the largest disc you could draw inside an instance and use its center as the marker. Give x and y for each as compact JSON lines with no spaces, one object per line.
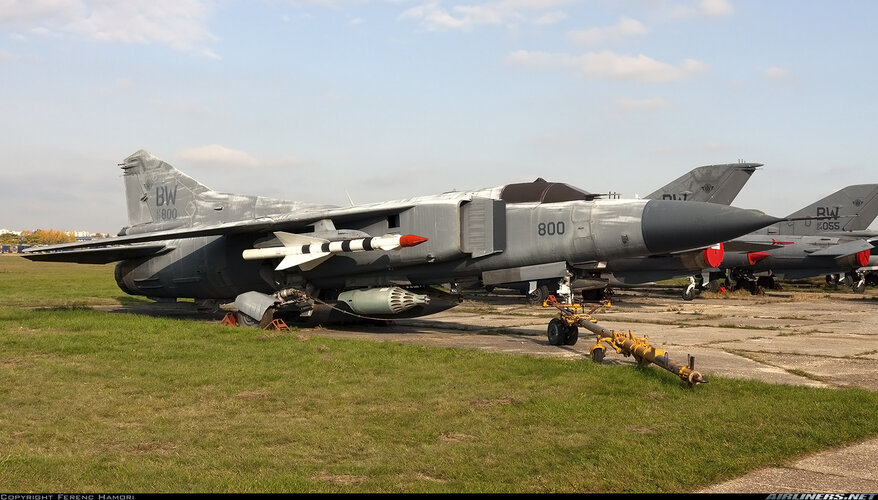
{"x":797,"y":259}
{"x":465,"y":239}
{"x":468,"y":236}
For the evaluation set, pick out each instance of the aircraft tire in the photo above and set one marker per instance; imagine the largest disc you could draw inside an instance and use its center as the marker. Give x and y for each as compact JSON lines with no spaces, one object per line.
{"x":571,"y":336}
{"x":245,"y":320}
{"x":556,"y":332}
{"x":753,"y":287}
{"x":538,"y":296}
{"x":689,"y":293}
{"x":597,"y":295}
{"x":766,"y":282}
{"x":859,"y":286}
{"x":713,"y":286}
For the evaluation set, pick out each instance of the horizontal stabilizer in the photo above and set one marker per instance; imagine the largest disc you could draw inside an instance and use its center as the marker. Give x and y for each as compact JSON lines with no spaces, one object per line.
{"x":103,"y":255}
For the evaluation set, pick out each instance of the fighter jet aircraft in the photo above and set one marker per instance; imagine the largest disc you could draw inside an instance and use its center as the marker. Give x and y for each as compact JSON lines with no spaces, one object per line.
{"x":263,"y":258}
{"x":710,"y":183}
{"x":826,"y":237}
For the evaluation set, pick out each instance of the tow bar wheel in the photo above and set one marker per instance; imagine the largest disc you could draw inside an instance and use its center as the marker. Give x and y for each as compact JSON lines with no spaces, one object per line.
{"x":557,"y":331}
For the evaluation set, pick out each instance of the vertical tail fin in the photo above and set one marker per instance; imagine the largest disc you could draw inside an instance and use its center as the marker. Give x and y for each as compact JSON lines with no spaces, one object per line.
{"x":711,"y":183}
{"x":160,"y":197}
{"x":851,"y":208}
{"x":157,"y":193}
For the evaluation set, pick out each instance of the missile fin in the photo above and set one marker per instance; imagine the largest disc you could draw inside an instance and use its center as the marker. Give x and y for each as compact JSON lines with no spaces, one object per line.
{"x":389,"y":245}
{"x":293,"y":240}
{"x":305,"y":261}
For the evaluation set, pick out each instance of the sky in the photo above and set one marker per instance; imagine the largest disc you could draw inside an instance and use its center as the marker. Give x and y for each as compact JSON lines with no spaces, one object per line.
{"x":340,"y":101}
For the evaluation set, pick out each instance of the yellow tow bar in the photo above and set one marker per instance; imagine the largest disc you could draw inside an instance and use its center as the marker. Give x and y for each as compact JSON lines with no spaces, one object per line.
{"x":564,"y":330}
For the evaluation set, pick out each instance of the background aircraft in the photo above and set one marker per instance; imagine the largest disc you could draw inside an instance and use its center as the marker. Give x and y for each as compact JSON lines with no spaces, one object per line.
{"x":828,"y":237}
{"x":316,"y":261}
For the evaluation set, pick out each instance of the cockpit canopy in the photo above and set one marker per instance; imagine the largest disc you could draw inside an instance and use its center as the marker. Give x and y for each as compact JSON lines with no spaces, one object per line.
{"x":541,"y":191}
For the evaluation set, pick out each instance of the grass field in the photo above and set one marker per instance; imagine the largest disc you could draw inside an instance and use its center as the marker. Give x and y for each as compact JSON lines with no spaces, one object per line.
{"x":94,"y":401}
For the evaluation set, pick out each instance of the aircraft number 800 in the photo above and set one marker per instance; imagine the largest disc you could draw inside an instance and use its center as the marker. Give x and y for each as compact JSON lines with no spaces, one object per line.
{"x":167,"y":214}
{"x":550,"y":228}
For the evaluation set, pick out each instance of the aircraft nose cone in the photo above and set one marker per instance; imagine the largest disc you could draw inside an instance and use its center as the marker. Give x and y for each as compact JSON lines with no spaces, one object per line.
{"x":677,"y":225}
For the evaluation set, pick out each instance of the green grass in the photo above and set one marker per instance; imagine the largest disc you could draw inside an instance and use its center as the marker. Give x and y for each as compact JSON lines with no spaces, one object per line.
{"x":97,"y":401}
{"x":30,"y":284}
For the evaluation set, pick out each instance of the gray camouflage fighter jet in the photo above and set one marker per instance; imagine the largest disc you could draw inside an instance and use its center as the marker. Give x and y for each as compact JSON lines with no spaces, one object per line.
{"x":263,"y":258}
{"x":826,"y":237}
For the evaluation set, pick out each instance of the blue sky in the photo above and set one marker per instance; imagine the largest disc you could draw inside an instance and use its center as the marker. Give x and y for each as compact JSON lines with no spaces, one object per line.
{"x":316,"y":100}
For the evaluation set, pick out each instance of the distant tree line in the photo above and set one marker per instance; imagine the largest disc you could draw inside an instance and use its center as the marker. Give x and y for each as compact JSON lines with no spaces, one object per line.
{"x":38,"y":237}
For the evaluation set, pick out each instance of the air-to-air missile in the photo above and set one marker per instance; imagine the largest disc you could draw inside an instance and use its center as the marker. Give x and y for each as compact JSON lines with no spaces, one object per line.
{"x":308,"y":252}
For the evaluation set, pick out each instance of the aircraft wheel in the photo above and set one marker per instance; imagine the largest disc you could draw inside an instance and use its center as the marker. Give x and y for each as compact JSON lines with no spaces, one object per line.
{"x":597,"y":355}
{"x":245,"y":320}
{"x":766,"y":282}
{"x":538,"y":296}
{"x":689,"y":293}
{"x":752,"y":286}
{"x":713,"y":286}
{"x":860,"y":286}
{"x":596,"y":295}
{"x":557,"y":332}
{"x":572,"y":335}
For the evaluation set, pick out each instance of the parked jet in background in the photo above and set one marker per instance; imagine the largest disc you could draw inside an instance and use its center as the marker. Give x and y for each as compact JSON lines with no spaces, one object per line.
{"x":187,"y":241}
{"x":826,"y":237}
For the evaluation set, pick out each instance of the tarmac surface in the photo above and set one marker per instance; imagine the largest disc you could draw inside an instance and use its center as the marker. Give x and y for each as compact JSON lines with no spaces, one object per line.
{"x":810,"y":338}
{"x":798,"y":336}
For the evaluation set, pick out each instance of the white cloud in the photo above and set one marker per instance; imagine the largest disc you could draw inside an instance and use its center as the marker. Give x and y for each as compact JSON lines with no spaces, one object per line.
{"x":642,"y":104}
{"x":610,"y":65}
{"x":553,"y":17}
{"x":716,"y":7}
{"x":33,"y":14}
{"x":180,"y":24}
{"x":626,"y":27}
{"x":5,"y":55}
{"x":776,"y":73}
{"x":509,"y":13}
{"x":219,"y":155}
{"x":709,"y":8}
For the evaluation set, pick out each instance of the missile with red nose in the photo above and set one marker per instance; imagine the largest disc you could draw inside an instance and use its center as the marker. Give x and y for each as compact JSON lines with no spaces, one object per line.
{"x":308,"y":252}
